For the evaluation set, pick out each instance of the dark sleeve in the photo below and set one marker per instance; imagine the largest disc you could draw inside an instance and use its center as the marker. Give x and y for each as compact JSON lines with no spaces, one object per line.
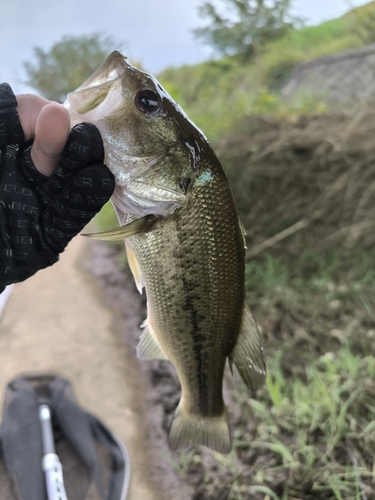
{"x":10,"y":127}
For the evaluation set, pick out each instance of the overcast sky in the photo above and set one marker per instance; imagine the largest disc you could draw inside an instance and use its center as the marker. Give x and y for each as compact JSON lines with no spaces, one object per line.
{"x":155,"y":32}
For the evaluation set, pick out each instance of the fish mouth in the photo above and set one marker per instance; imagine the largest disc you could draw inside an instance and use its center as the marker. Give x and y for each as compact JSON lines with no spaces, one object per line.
{"x":101,"y":94}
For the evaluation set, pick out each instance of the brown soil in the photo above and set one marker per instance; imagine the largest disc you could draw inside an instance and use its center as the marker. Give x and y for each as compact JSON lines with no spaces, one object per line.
{"x":59,"y":322}
{"x":315,"y":171}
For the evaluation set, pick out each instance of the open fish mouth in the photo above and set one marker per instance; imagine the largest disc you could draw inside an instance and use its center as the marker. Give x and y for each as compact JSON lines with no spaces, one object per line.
{"x":103,"y":89}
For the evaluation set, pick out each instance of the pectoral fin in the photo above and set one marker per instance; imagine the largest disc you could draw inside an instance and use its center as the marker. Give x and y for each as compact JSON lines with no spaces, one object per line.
{"x":247,"y":353}
{"x":148,"y":346}
{"x":142,"y":225}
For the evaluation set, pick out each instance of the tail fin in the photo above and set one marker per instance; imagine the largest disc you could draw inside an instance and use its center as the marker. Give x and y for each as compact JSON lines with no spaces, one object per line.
{"x":188,"y":429}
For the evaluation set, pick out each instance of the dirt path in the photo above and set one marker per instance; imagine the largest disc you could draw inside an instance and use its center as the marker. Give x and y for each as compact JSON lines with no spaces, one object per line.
{"x":59,"y":322}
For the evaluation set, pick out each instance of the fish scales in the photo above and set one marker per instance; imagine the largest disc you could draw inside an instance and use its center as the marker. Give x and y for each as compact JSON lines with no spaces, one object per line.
{"x":184,"y":243}
{"x":197,"y":256}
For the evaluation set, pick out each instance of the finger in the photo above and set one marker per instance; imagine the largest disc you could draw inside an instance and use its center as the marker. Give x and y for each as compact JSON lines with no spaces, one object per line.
{"x":49,"y":123}
{"x":51,"y":133}
{"x":29,"y":106}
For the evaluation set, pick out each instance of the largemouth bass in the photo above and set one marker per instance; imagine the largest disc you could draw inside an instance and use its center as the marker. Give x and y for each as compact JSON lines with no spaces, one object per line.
{"x":184,"y":243}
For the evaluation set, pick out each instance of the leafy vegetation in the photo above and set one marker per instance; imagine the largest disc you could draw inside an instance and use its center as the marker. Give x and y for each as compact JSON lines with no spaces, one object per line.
{"x":217,"y":94}
{"x":241,"y":26}
{"x":67,"y":64}
{"x":315,"y":428}
{"x":309,"y":433}
{"x":364,"y":25}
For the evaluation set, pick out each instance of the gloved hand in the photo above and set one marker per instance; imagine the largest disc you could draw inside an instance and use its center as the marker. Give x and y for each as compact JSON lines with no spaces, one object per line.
{"x":39,"y":215}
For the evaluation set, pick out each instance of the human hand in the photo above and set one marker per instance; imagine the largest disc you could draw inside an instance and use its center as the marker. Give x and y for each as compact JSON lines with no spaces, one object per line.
{"x":48,"y":123}
{"x":52,"y":183}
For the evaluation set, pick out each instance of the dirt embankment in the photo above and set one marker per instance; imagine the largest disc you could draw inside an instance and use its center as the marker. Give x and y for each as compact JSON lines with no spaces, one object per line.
{"x":315,"y":173}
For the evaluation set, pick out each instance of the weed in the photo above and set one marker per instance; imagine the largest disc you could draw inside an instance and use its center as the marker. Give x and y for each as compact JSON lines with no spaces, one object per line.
{"x":185,"y":459}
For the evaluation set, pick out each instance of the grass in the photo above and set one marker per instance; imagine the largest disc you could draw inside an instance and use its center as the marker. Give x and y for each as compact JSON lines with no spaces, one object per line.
{"x":315,"y":419}
{"x":184,"y":460}
{"x":216,"y":94}
{"x":106,"y":218}
{"x":324,"y":275}
{"x":310,"y":429}
{"x":309,"y":43}
{"x":309,"y":433}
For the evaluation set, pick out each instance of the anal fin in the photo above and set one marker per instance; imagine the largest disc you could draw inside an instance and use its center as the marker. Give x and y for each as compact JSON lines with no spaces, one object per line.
{"x":247,"y":354}
{"x":148,"y":347}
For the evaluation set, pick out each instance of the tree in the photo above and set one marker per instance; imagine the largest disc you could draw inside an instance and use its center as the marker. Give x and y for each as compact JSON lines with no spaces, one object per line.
{"x":67,"y":64}
{"x":242,"y":25}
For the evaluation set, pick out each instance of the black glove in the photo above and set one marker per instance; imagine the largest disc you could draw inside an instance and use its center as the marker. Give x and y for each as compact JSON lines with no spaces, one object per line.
{"x":39,"y":215}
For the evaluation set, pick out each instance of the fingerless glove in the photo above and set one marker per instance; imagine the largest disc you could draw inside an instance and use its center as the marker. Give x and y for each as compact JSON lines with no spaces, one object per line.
{"x":39,"y":215}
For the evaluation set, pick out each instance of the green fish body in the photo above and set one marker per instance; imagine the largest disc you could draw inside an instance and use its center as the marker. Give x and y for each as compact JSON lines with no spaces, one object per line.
{"x":184,"y":243}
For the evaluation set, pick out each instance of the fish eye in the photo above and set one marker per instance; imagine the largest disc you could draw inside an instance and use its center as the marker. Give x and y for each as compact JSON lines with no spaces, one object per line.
{"x":147,"y":101}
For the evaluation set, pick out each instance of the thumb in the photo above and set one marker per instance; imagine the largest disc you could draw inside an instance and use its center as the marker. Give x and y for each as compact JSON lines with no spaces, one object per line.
{"x":51,"y":132}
